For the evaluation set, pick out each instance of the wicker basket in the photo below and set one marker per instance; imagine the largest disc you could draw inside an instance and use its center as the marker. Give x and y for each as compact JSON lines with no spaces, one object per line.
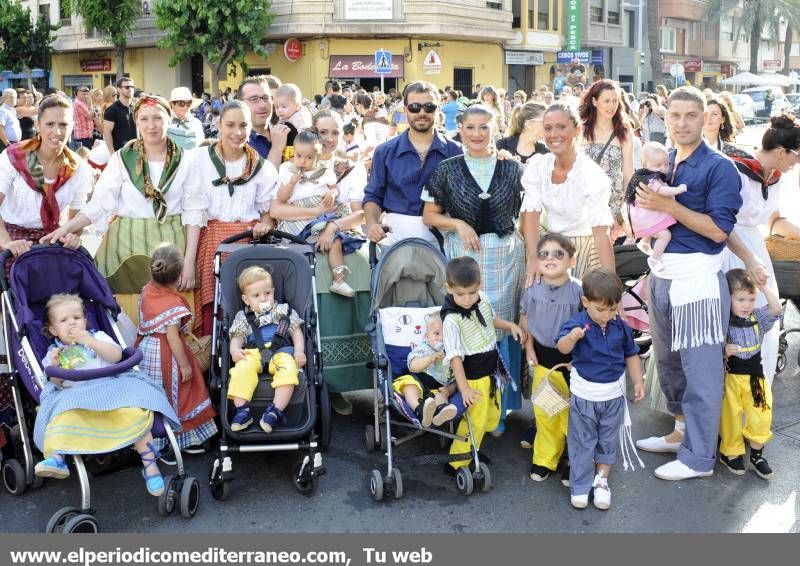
{"x":782,"y":249}
{"x":201,"y":349}
{"x":547,"y":397}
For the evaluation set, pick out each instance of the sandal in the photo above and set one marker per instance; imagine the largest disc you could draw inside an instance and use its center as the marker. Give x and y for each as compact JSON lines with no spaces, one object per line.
{"x":53,"y":467}
{"x":155,"y":484}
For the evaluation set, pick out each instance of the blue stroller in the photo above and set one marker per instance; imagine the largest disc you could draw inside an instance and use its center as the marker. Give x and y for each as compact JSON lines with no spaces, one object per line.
{"x":407,"y":283}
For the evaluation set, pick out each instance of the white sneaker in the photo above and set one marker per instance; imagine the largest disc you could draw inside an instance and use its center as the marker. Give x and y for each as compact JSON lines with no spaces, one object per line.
{"x":677,"y":470}
{"x":579,"y":501}
{"x":602,"y":493}
{"x":657,"y":444}
{"x":342,"y":288}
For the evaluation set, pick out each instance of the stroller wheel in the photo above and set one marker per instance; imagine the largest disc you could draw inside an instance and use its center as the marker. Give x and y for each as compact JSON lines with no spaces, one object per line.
{"x":305,"y":485}
{"x":483,"y":477}
{"x":82,"y":524}
{"x":464,"y":480}
{"x":376,"y":485}
{"x":382,"y":431}
{"x":220,"y":489}
{"x":166,"y":501}
{"x":781,"y":365}
{"x":57,"y":521}
{"x":369,"y":438}
{"x":14,"y":477}
{"x":190,"y":497}
{"x":396,"y":480}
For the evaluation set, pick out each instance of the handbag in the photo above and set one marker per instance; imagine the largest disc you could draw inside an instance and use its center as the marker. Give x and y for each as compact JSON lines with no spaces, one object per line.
{"x":547,"y":397}
{"x":780,"y":248}
{"x":201,"y":350}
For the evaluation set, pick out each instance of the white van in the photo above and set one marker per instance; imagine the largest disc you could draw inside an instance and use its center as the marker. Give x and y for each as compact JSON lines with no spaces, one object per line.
{"x":758,"y":93}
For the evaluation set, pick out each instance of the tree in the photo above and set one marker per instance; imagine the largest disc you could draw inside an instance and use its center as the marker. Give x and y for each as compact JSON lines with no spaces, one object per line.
{"x":115,"y":19}
{"x":222,"y":32}
{"x":758,"y":18}
{"x":654,"y":40}
{"x":25,"y":43}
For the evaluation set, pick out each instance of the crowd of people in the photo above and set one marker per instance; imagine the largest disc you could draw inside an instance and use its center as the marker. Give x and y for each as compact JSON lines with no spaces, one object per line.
{"x":526,"y":196}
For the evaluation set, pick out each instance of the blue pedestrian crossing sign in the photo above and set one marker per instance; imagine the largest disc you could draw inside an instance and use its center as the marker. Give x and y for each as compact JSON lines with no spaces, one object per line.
{"x":383,"y":61}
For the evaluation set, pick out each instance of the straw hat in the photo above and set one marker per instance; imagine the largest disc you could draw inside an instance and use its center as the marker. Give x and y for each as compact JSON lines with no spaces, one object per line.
{"x":183,"y":93}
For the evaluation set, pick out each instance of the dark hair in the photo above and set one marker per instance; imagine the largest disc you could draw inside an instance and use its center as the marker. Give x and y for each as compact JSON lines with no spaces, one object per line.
{"x":309,"y":137}
{"x":364,"y":100}
{"x":338,"y":101}
{"x":783,"y":131}
{"x":318,"y":98}
{"x":420,"y":87}
{"x":123,"y":80}
{"x":588,"y":112}
{"x":602,"y":286}
{"x":349,"y":129}
{"x":726,"y":132}
{"x":562,"y":241}
{"x":336,"y":86}
{"x":166,"y":264}
{"x":739,"y":280}
{"x":258,"y":81}
{"x":566,"y":109}
{"x":686,"y":94}
{"x":463,"y":272}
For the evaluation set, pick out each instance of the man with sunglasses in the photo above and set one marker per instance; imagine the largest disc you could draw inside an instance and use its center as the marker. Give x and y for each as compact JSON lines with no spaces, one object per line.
{"x":402,"y":166}
{"x":269,"y":140}
{"x":119,"y":126}
{"x":185,"y":130}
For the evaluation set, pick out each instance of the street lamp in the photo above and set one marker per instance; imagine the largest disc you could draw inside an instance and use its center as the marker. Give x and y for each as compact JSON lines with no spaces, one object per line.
{"x":639,"y":39}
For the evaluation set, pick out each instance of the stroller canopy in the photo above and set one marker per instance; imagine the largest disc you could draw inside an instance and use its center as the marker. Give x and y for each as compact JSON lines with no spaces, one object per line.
{"x":410,"y":273}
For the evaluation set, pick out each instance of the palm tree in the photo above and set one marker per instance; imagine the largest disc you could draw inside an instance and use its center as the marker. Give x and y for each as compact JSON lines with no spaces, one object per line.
{"x":759,"y":17}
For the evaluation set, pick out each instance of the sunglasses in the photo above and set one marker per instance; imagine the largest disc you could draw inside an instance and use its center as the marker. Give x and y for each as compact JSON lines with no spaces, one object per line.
{"x":182,"y":103}
{"x":555,"y":254}
{"x":128,"y":87}
{"x":416,"y":107}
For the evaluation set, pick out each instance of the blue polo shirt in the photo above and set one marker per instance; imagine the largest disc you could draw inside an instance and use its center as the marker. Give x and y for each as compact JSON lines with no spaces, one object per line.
{"x":600,"y":356}
{"x":260,"y":143}
{"x":398,"y":177}
{"x":714,"y":188}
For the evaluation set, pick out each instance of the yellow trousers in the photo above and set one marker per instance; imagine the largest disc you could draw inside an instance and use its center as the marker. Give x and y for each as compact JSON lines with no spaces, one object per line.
{"x":244,"y":374}
{"x":484,"y":415}
{"x":737,"y":402}
{"x":551,"y":432}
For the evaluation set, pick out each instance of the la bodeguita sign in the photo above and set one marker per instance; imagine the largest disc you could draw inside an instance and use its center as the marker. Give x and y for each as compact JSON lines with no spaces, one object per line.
{"x":361,"y":66}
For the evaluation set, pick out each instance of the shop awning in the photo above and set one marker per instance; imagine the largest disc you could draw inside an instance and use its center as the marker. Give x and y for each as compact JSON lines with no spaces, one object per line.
{"x":35,"y":74}
{"x":361,"y":67}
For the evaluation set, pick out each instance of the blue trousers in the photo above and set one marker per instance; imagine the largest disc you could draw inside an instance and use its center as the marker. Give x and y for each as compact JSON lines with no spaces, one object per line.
{"x":592,"y":438}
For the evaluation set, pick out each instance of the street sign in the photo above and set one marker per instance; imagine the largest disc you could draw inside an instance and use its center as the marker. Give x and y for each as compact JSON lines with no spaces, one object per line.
{"x":574,"y":13}
{"x":383,"y":62}
{"x":432,"y":65}
{"x":293,"y":49}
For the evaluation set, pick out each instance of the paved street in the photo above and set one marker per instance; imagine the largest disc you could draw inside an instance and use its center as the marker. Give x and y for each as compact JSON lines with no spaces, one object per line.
{"x":263,"y":498}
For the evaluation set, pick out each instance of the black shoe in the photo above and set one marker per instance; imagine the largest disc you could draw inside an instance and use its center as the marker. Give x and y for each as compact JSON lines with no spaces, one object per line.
{"x":735,"y":464}
{"x":760,"y":465}
{"x":565,"y":474}
{"x":539,"y":473}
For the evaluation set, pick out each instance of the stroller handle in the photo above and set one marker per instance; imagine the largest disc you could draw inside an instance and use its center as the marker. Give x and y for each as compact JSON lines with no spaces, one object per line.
{"x":130,"y":359}
{"x":272,"y":234}
{"x":373,"y":248}
{"x":7,"y":255}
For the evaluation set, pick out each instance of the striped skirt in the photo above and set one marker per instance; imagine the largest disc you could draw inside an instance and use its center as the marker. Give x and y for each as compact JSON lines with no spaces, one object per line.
{"x":294,"y":227}
{"x":502,"y":264}
{"x":124,"y":254}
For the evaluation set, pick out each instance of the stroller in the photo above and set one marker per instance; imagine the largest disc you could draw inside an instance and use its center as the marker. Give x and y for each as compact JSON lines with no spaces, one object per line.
{"x":308,"y":416}
{"x":787,"y":275}
{"x":410,"y":275}
{"x":24,"y":296}
{"x":633,"y":270}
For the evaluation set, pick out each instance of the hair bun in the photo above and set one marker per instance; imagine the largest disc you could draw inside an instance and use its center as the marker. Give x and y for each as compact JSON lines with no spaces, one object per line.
{"x":783,"y":122}
{"x":158,"y":266}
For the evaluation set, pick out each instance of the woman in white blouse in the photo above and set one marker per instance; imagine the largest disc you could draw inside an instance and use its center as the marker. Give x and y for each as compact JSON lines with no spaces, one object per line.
{"x":566,"y":192}
{"x":234,"y":187}
{"x":41,"y":166}
{"x":143,"y":191}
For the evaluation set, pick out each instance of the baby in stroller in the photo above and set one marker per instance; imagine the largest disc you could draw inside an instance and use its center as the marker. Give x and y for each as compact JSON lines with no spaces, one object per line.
{"x":260,"y":336}
{"x":110,"y":412}
{"x":426,"y":390}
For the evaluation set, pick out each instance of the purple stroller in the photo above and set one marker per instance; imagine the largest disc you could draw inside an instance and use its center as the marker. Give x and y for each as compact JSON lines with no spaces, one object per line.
{"x":35,"y":276}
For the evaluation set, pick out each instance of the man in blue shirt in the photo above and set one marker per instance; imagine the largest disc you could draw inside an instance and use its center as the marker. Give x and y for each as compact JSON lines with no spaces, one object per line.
{"x":402,"y":166}
{"x":690,"y":303}
{"x":268,"y":140}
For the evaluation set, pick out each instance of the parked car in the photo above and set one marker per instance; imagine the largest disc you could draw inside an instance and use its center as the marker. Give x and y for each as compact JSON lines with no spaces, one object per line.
{"x":793,"y":98}
{"x":758,"y":94}
{"x":745,"y":106}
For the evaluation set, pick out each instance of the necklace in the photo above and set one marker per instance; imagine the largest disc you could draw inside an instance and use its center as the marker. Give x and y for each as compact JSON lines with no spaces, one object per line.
{"x":47,"y":164}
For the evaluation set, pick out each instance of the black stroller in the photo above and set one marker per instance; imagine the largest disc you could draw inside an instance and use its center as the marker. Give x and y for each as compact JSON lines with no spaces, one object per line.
{"x":787,"y":275}
{"x":308,"y":415}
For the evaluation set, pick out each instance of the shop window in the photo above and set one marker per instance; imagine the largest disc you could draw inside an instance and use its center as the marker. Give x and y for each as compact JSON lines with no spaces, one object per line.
{"x":462,"y":80}
{"x":726,"y":28}
{"x":544,"y":14}
{"x":596,"y":11}
{"x":668,"y":40}
{"x":612,"y":7}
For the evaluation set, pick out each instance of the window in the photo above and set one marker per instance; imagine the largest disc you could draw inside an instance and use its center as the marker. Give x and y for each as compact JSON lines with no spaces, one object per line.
{"x":726,"y":28}
{"x":596,"y":11}
{"x":515,"y":10}
{"x":795,"y":51}
{"x":65,"y":12}
{"x":44,"y":11}
{"x":613,"y":11}
{"x":544,"y":14}
{"x":462,"y":80}
{"x":630,"y":28}
{"x":668,"y":40}
{"x":555,"y":14}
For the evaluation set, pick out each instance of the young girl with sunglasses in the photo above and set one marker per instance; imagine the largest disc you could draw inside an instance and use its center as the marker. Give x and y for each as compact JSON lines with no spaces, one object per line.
{"x":546,"y":306}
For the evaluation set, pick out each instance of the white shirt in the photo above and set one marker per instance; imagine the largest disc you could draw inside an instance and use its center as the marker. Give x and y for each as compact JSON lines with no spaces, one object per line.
{"x":248,"y":201}
{"x":304,"y":190}
{"x":10,"y":123}
{"x":351,"y":188}
{"x":573,"y":207}
{"x":755,"y":211}
{"x":21,"y":204}
{"x":114,"y":193}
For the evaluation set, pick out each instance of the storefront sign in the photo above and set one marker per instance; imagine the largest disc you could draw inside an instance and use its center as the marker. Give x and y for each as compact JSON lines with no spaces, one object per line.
{"x":728,"y":69}
{"x":432,"y":65}
{"x":595,"y":57}
{"x":95,"y":65}
{"x":293,"y":49}
{"x":712,"y":68}
{"x":773,"y":64}
{"x":368,"y":9}
{"x":360,"y":66}
{"x":574,"y":25}
{"x":524,"y":58}
{"x":693,"y":65}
